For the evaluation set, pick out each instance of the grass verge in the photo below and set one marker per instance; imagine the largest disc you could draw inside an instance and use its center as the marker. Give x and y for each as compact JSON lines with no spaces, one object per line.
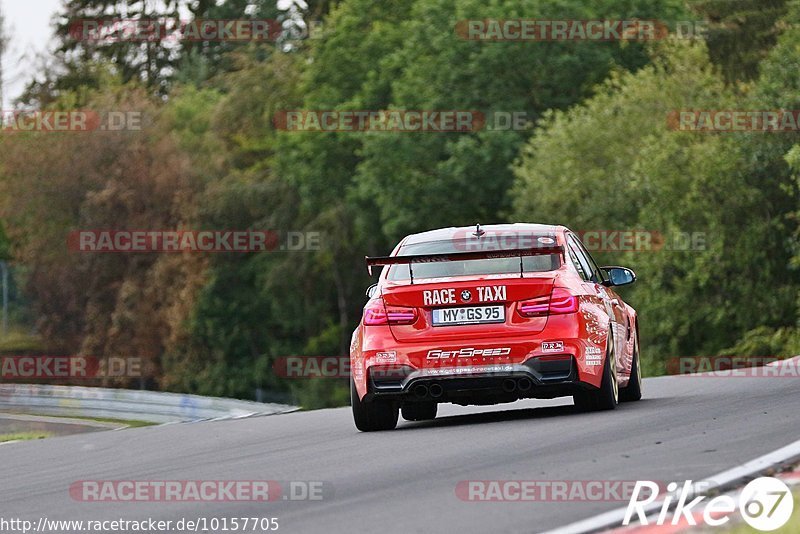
{"x":23,"y":436}
{"x":126,"y":422}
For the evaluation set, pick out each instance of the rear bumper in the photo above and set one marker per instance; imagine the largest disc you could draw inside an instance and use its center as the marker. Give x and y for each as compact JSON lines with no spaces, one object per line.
{"x":487,"y":384}
{"x":475,"y":364}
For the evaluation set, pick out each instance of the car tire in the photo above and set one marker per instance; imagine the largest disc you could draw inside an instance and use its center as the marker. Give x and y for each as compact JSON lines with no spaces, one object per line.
{"x":419,"y":411}
{"x":606,"y":397}
{"x":375,"y":415}
{"x":633,"y":391}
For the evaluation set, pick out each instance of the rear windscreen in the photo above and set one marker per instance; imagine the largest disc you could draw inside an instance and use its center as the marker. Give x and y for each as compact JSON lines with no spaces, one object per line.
{"x":443,"y":269}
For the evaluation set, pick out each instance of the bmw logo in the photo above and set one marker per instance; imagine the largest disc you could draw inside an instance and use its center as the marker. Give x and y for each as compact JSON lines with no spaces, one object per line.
{"x":466,"y":295}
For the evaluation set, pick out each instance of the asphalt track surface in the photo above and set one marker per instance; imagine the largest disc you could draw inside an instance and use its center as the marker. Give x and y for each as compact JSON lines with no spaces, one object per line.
{"x":404,"y":480}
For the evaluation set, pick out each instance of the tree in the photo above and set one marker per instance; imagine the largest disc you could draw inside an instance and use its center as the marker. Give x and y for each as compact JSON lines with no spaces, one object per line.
{"x":156,"y":61}
{"x":3,"y":43}
{"x":147,"y":60}
{"x":740,"y":33}
{"x":126,"y":305}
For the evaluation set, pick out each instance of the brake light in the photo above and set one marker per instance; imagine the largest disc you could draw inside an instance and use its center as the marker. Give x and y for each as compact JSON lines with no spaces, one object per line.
{"x":562,"y":301}
{"x":377,"y":313}
{"x":535,"y":307}
{"x":558,"y":302}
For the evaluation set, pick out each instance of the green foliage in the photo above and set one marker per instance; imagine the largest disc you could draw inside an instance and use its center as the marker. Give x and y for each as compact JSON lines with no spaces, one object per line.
{"x":5,"y":244}
{"x":321,"y":393}
{"x":740,"y":33}
{"x":764,"y":341}
{"x":18,"y":342}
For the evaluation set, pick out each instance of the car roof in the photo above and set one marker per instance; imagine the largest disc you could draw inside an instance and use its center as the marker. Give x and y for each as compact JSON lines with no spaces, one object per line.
{"x":453,"y":232}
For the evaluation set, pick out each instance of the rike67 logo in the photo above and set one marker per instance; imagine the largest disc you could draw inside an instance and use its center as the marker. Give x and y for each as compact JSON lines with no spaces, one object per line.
{"x":766,"y":504}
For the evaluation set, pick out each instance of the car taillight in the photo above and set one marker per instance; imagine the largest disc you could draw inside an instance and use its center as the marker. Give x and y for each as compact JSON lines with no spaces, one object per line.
{"x":535,"y":307}
{"x":558,"y":302}
{"x":562,"y":301}
{"x":376,"y":313}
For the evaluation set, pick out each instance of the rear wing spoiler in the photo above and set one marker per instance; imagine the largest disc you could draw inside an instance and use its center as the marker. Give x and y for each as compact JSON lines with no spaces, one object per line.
{"x":520,"y":253}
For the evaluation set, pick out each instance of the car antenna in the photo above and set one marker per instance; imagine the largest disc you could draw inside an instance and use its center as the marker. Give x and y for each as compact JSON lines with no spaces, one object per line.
{"x":478,"y":231}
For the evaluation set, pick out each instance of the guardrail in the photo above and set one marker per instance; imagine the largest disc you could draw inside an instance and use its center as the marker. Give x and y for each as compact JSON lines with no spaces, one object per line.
{"x":150,"y":406}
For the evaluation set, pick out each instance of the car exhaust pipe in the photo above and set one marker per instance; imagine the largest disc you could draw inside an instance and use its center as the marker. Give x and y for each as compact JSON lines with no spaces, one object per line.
{"x":420,"y":391}
{"x":524,"y":384}
{"x":509,"y":386}
{"x":436,"y":390}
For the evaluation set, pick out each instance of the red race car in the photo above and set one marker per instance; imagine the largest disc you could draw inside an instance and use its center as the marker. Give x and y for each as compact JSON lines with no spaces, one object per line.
{"x":485,"y":315}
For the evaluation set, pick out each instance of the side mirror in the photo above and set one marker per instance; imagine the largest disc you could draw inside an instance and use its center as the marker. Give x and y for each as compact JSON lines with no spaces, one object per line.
{"x":619,"y":276}
{"x":371,"y":290}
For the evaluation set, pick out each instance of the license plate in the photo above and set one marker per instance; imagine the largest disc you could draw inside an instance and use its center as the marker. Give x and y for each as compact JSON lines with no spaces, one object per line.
{"x":469,"y":315}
